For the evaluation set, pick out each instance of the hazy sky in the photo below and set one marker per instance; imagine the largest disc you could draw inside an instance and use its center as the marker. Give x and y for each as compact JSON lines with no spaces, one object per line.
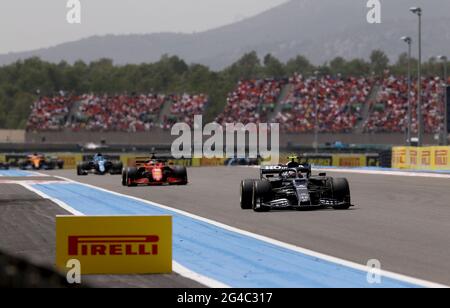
{"x":30,"y":24}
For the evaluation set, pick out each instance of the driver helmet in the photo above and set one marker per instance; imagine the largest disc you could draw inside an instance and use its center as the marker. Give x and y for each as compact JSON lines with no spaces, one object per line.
{"x":290,"y":174}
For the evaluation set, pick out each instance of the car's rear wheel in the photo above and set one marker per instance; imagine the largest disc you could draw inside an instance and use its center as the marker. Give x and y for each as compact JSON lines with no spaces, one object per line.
{"x":247,"y":194}
{"x":80,"y":170}
{"x":261,"y":192}
{"x":116,"y":168}
{"x":341,"y":193}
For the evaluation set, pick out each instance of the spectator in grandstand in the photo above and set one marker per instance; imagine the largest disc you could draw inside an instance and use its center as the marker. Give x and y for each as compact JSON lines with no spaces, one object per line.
{"x":251,"y":102}
{"x":184,"y":108}
{"x":338,"y":101}
{"x":118,"y":113}
{"x":390,"y":112}
{"x":49,"y":113}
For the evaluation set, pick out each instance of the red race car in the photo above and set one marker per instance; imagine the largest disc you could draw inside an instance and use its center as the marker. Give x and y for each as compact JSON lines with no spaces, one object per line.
{"x":154,"y":172}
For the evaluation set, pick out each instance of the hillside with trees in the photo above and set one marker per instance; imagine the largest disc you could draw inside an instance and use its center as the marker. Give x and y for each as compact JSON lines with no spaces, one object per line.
{"x":24,"y":81}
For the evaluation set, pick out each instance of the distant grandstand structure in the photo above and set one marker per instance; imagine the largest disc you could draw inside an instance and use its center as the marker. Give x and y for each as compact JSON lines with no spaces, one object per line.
{"x":363,"y":110}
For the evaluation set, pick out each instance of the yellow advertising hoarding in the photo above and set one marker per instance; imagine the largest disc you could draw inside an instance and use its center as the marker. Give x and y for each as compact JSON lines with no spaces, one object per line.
{"x":421,"y":158}
{"x":115,"y":244}
{"x":342,"y":160}
{"x":212,"y":162}
{"x":70,"y":161}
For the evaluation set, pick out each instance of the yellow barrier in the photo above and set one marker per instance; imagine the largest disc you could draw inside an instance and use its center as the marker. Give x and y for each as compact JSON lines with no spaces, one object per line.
{"x":196,"y":162}
{"x":115,"y":245}
{"x":343,"y":160}
{"x":211,"y":162}
{"x":424,"y":158}
{"x":70,"y":161}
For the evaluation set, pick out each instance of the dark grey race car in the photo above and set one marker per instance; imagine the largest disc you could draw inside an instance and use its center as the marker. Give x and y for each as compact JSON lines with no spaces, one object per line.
{"x":293,"y":186}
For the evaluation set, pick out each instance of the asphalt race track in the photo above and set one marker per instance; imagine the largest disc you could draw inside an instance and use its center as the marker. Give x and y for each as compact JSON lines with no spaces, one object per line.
{"x":401,"y":221}
{"x":27,"y":228}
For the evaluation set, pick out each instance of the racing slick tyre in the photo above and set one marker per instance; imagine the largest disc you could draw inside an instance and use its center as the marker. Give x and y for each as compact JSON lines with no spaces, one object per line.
{"x":47,"y":165}
{"x":124,"y":177}
{"x":60,"y":164}
{"x":261,"y":190}
{"x":131,"y":174}
{"x":116,"y":168}
{"x":247,"y":194}
{"x":23,"y":164}
{"x":341,"y":192}
{"x":180,"y":172}
{"x":80,"y":169}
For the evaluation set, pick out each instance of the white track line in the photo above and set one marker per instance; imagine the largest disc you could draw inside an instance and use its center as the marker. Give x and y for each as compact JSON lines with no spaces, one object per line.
{"x":40,"y":174}
{"x":308,"y":252}
{"x":176,"y":267}
{"x":381,"y":172}
{"x":29,"y":182}
{"x":56,"y":201}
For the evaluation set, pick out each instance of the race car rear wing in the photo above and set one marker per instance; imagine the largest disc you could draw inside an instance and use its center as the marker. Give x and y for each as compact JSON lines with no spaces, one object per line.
{"x":140,"y":161}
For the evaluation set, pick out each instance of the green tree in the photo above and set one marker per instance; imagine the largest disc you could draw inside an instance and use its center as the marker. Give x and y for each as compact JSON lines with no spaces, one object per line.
{"x":300,"y":65}
{"x":273,"y":67}
{"x":338,"y":66}
{"x":379,"y":62}
{"x":248,"y":67}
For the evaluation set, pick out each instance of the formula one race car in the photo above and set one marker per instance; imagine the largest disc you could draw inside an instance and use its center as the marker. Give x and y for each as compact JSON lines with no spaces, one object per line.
{"x":154,"y":172}
{"x":99,"y":165}
{"x":293,"y":186}
{"x":39,"y":162}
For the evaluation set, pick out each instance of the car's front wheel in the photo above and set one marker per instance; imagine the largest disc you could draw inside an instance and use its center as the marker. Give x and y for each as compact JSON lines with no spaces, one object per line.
{"x":180,"y":172}
{"x":341,"y":193}
{"x":261,"y":192}
{"x":131,"y":175}
{"x":124,"y":177}
{"x":246,"y":194}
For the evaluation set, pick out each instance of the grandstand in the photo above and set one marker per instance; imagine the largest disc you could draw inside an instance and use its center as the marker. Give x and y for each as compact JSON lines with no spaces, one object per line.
{"x":339,"y":104}
{"x":390,"y":112}
{"x":251,"y":102}
{"x":183,"y":108}
{"x":362,"y":108}
{"x":121,"y":113}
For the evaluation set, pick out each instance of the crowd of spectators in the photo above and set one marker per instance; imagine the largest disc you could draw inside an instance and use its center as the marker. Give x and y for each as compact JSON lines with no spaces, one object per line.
{"x":251,"y":102}
{"x":184,"y":108}
{"x":125,"y":113}
{"x":50,"y":113}
{"x":334,"y":103}
{"x":390,"y":112}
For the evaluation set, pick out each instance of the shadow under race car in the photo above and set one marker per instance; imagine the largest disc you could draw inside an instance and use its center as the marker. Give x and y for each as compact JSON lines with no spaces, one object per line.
{"x":4,"y":166}
{"x":40,"y":162}
{"x":154,"y":172}
{"x":100,"y":166}
{"x":294,"y":187}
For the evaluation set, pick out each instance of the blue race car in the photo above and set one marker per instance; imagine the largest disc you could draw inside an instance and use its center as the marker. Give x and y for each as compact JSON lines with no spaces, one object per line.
{"x":99,"y":165}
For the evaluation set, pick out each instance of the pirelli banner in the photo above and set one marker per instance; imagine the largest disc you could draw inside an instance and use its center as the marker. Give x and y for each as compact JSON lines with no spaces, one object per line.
{"x":115,"y":245}
{"x":421,"y":158}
